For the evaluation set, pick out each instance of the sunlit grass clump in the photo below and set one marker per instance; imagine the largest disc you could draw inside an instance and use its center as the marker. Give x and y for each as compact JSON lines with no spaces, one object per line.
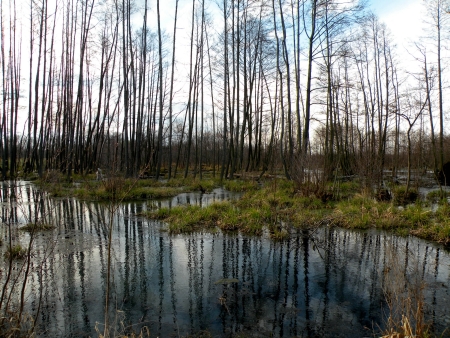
{"x":362,"y":212}
{"x":226,"y":216}
{"x":366,"y":213}
{"x":193,"y":217}
{"x":435,"y":225}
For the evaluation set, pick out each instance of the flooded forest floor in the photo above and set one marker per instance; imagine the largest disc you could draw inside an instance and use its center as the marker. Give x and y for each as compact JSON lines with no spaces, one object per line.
{"x":276,"y":206}
{"x":232,"y":258}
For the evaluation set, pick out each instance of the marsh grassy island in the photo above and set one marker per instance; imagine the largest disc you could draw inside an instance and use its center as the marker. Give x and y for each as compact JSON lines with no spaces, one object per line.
{"x":276,"y":206}
{"x":280,"y":208}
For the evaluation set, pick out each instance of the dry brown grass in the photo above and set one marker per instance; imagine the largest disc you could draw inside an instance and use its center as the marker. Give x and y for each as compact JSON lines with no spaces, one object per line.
{"x":14,"y":326}
{"x":404,"y":294}
{"x":119,"y":329}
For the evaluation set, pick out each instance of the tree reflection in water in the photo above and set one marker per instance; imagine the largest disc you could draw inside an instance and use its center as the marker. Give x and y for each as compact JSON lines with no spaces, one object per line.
{"x":322,"y":284}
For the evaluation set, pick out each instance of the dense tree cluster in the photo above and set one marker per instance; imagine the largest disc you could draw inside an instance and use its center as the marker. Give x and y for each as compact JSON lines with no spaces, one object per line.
{"x":248,"y":86}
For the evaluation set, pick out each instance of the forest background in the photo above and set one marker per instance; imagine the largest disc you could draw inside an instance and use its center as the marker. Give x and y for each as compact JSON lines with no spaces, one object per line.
{"x":180,"y":87}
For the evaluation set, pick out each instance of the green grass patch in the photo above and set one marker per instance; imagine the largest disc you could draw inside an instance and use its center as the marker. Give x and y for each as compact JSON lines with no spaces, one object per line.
{"x":192,"y":217}
{"x":312,"y":217}
{"x":159,"y":214}
{"x":278,"y":202}
{"x":310,"y":203}
{"x":254,"y":212}
{"x":438,"y":232}
{"x":343,"y":190}
{"x":205,"y":185}
{"x":362,"y":212}
{"x":119,"y":188}
{"x":189,"y":184}
{"x":403,"y":197}
{"x":436,"y":196}
{"x":30,"y":227}
{"x":16,"y":252}
{"x":223,"y":215}
{"x":114,"y":190}
{"x":416,"y":216}
{"x":443,"y":213}
{"x":415,"y":219}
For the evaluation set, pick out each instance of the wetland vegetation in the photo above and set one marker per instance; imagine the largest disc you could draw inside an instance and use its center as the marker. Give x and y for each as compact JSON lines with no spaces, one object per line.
{"x":219,"y":263}
{"x":279,"y":207}
{"x":268,"y":184}
{"x":275,"y":205}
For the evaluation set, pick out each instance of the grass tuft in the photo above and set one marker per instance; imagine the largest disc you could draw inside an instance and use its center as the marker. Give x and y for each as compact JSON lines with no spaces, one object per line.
{"x":403,"y":197}
{"x":240,"y":185}
{"x":37,"y":227}
{"x":436,"y":196}
{"x":16,"y":252}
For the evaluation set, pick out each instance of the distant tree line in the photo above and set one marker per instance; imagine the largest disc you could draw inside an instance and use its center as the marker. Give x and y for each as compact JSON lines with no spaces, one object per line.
{"x":273,"y":85}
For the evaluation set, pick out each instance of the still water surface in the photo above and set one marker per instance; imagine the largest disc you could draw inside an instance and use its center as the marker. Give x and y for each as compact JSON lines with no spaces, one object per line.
{"x":326,"y":283}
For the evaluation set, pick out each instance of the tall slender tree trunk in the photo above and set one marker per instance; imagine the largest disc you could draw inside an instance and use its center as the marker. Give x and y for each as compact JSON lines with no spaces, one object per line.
{"x":308,"y":103}
{"x":225,"y":94}
{"x":171,"y":91}
{"x":161,"y":91}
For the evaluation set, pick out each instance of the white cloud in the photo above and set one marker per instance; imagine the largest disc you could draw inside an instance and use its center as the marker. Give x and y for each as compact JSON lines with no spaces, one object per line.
{"x":405,"y":22}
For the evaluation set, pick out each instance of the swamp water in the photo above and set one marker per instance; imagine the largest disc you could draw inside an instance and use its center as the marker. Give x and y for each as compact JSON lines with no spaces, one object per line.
{"x":323,"y":283}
